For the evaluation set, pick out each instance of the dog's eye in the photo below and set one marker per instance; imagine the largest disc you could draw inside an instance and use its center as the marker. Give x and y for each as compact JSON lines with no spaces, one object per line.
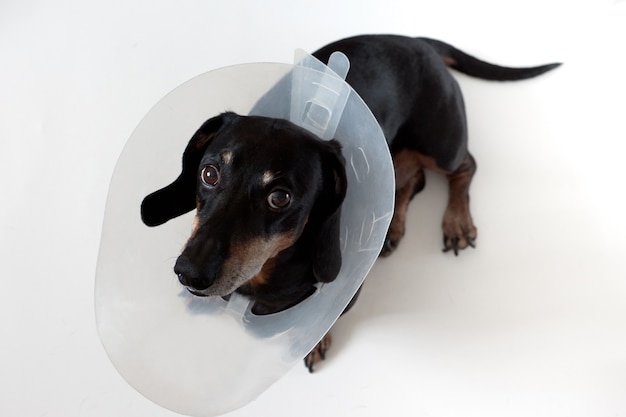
{"x":279,"y":199}
{"x":210,"y":175}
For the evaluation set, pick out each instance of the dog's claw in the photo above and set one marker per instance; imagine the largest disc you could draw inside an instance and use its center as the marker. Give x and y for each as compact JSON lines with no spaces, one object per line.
{"x":454,"y":248}
{"x":318,"y":353}
{"x":455,"y":245}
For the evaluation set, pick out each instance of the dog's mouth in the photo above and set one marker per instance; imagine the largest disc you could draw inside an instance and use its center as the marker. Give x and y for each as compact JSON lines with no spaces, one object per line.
{"x":231,"y":274}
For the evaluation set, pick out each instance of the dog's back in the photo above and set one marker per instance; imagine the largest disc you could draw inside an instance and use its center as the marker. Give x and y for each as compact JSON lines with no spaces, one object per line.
{"x":414,"y":97}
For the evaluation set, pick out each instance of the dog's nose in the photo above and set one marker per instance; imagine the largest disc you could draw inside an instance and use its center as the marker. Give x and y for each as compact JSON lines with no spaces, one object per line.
{"x":190,"y":275}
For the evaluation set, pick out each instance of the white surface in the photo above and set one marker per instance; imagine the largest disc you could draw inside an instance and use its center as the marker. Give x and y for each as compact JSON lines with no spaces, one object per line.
{"x":533,"y":322}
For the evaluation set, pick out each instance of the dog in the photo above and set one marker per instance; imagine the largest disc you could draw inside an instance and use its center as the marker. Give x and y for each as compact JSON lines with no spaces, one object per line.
{"x":267,"y":194}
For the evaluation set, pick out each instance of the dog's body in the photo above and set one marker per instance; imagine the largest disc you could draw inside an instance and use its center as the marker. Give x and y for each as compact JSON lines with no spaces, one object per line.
{"x":267,"y":222}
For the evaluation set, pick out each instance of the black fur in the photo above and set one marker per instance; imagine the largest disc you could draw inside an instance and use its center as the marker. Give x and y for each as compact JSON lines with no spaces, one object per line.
{"x":277,"y":256}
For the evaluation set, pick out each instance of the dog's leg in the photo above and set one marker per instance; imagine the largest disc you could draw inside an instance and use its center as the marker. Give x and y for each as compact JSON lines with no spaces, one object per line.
{"x":318,"y":353}
{"x":459,"y":231}
{"x":410,"y":180}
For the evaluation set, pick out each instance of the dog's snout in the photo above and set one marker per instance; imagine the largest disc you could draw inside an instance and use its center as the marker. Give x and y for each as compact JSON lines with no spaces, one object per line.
{"x":191,"y":275}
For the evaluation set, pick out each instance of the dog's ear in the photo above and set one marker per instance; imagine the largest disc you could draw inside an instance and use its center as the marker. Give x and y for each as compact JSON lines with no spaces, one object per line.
{"x":180,"y":196}
{"x":326,"y":254}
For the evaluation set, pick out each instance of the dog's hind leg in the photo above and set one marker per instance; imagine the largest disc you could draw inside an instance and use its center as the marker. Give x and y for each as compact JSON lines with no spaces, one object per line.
{"x":459,"y":231}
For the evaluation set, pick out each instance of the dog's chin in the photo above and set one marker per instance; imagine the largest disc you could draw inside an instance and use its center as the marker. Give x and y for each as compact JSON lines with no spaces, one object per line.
{"x":215,"y":290}
{"x":209,"y":292}
{"x":196,"y":292}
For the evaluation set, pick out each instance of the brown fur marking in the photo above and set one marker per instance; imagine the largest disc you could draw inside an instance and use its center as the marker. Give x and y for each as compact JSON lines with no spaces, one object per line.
{"x":262,"y":277}
{"x":255,"y":258}
{"x":195,"y":224}
{"x":458,"y":228}
{"x":449,"y":61}
{"x":227,"y":157}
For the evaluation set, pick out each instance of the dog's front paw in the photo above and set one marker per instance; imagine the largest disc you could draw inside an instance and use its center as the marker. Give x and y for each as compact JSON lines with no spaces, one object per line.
{"x":318,"y":353}
{"x":459,"y":231}
{"x":389,"y":247}
{"x":393,"y":238}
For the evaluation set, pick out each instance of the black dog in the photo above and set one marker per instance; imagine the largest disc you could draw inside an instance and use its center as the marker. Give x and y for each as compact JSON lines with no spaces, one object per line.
{"x":268,"y":194}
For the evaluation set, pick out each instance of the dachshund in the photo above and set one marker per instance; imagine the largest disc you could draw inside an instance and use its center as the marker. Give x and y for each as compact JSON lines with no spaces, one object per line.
{"x":267,"y":194}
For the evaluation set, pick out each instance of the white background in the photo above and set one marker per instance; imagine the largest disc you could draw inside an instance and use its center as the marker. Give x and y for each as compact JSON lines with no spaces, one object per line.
{"x":531,"y":323}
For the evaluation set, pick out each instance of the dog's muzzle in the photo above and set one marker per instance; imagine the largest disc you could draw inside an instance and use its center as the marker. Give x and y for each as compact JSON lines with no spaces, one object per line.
{"x":192,"y":277}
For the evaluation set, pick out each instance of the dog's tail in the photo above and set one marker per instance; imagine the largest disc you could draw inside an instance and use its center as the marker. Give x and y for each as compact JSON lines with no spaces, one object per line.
{"x":467,"y":64}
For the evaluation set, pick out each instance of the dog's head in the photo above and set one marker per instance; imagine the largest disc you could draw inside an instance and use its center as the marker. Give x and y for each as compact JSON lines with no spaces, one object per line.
{"x":260,"y":187}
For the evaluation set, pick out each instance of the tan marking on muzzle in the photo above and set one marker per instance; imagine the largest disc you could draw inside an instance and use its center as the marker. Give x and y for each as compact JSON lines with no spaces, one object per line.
{"x":194,"y":226}
{"x":252,"y":262}
{"x":263,"y":276}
